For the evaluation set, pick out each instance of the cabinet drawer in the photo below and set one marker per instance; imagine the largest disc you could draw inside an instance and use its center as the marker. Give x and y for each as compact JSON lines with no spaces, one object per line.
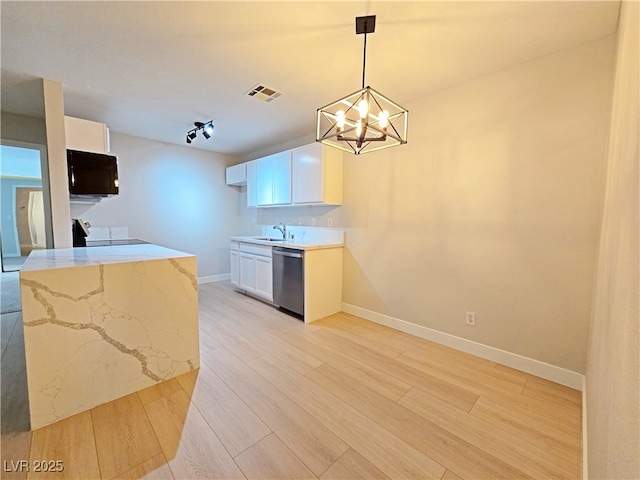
{"x":262,"y":250}
{"x":235,"y":245}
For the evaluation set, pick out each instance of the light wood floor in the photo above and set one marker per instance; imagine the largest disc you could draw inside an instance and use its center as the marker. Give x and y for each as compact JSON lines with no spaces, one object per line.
{"x":340,"y":398}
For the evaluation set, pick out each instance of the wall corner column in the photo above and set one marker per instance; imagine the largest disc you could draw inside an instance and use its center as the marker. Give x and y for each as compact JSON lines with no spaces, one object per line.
{"x":57,"y":156}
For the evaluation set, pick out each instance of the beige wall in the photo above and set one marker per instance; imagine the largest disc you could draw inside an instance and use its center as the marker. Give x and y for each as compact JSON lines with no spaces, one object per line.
{"x":174,"y":196}
{"x":21,"y":128}
{"x":613,"y":367}
{"x":57,"y":162}
{"x":493,"y":207}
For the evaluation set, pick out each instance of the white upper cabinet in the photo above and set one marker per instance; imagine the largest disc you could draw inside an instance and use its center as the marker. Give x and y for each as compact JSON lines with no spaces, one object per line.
{"x":308,"y":175}
{"x":237,"y":174}
{"x":264,"y":181}
{"x":274,"y":179}
{"x":317,"y":175}
{"x":252,"y":184}
{"x":281,"y":178}
{"x":85,"y":135}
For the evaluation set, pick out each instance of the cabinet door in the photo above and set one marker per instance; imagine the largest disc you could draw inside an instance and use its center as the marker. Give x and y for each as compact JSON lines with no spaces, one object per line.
{"x":264,"y":175}
{"x":235,"y":268}
{"x":247,"y":272}
{"x":252,"y":187}
{"x":308,"y":174}
{"x":237,"y":174}
{"x":264,"y":277}
{"x":85,"y":135}
{"x":281,"y":178}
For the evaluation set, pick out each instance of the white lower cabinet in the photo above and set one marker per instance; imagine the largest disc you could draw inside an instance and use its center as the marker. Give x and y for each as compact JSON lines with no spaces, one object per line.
{"x":264,"y":277}
{"x":235,"y":268}
{"x":253,"y":266}
{"x":248,"y":272}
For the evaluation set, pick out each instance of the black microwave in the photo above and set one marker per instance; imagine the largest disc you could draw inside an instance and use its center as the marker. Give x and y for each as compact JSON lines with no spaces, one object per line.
{"x":92,"y":173}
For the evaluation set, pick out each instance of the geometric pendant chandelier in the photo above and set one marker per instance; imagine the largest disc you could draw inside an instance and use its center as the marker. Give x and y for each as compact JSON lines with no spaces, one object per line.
{"x":363,"y":121}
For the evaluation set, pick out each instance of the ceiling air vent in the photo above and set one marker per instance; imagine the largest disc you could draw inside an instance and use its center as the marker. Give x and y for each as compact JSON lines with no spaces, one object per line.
{"x":263,"y":93}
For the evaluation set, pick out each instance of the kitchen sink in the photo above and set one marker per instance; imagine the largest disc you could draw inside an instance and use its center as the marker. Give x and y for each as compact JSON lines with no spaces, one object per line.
{"x":265,"y":239}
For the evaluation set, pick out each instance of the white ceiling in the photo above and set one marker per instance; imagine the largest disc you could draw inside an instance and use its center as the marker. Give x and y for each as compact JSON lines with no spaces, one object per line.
{"x":151,"y":69}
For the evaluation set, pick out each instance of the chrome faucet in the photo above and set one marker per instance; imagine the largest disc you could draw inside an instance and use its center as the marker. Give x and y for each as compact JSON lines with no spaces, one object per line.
{"x":283,"y":229}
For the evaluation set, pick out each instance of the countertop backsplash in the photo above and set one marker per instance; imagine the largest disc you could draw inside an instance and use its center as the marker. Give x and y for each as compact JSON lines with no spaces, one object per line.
{"x":108,"y":233}
{"x":306,"y":234}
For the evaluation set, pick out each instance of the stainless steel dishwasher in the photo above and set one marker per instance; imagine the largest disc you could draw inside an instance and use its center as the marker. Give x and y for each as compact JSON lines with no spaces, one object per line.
{"x":288,"y":279}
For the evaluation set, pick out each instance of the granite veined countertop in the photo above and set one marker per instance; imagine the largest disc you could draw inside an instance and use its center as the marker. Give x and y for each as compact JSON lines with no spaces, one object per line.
{"x":83,"y":256}
{"x":295,"y":243}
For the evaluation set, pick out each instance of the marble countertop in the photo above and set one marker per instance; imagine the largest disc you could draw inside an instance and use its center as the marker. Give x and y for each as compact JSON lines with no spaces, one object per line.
{"x":83,"y":256}
{"x":296,"y":244}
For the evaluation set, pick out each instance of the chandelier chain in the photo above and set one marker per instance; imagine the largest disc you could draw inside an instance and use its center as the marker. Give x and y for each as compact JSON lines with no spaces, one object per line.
{"x":364,"y":58}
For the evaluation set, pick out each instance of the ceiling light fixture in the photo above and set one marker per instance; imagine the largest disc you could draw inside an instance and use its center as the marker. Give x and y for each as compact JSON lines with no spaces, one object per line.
{"x":366,"y":120}
{"x":207,"y":130}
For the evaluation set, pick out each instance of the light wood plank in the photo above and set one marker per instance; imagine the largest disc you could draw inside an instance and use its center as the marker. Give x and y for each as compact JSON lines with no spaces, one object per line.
{"x":313,"y":443}
{"x":70,"y":441}
{"x":156,"y":468}
{"x":270,"y":459}
{"x":544,"y":389}
{"x":563,"y":414}
{"x":438,"y":443}
{"x":230,"y":303}
{"x":353,"y":466}
{"x":234,"y":341}
{"x":159,"y":390}
{"x":468,"y":379}
{"x":233,"y":422}
{"x":15,"y":449}
{"x":207,"y":342}
{"x":334,"y":325}
{"x":384,"y":384}
{"x":529,"y":425}
{"x":298,"y":359}
{"x":450,"y":360}
{"x":188,"y":443}
{"x":14,"y":409}
{"x":387,"y":452}
{"x":123,"y":435}
{"x":328,"y":390}
{"x":8,"y":322}
{"x":535,"y":460}
{"x":447,"y":392}
{"x":361,"y":348}
{"x":555,"y":415}
{"x":381,"y":332}
{"x":449,"y":475}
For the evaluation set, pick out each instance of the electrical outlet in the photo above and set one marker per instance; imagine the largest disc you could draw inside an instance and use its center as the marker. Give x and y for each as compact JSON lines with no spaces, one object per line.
{"x":471,"y":318}
{"x":313,"y":222}
{"x":330,"y":222}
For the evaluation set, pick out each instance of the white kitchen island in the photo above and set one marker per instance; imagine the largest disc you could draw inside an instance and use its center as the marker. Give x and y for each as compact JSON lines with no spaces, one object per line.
{"x":103,"y":322}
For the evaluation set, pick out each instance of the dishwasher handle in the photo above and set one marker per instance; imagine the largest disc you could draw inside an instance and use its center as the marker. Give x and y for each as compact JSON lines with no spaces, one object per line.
{"x":286,"y":252}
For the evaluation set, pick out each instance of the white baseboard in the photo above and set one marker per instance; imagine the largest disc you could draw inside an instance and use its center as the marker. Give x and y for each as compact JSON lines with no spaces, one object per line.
{"x":534,"y":367}
{"x":214,"y":278}
{"x":585,"y":451}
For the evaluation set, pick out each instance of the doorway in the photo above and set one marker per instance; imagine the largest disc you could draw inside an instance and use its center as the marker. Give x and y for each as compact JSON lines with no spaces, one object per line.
{"x":23,"y":205}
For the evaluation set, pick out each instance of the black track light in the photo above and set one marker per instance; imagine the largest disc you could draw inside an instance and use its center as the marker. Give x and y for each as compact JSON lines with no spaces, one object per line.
{"x":207,"y":130}
{"x":191,"y":135}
